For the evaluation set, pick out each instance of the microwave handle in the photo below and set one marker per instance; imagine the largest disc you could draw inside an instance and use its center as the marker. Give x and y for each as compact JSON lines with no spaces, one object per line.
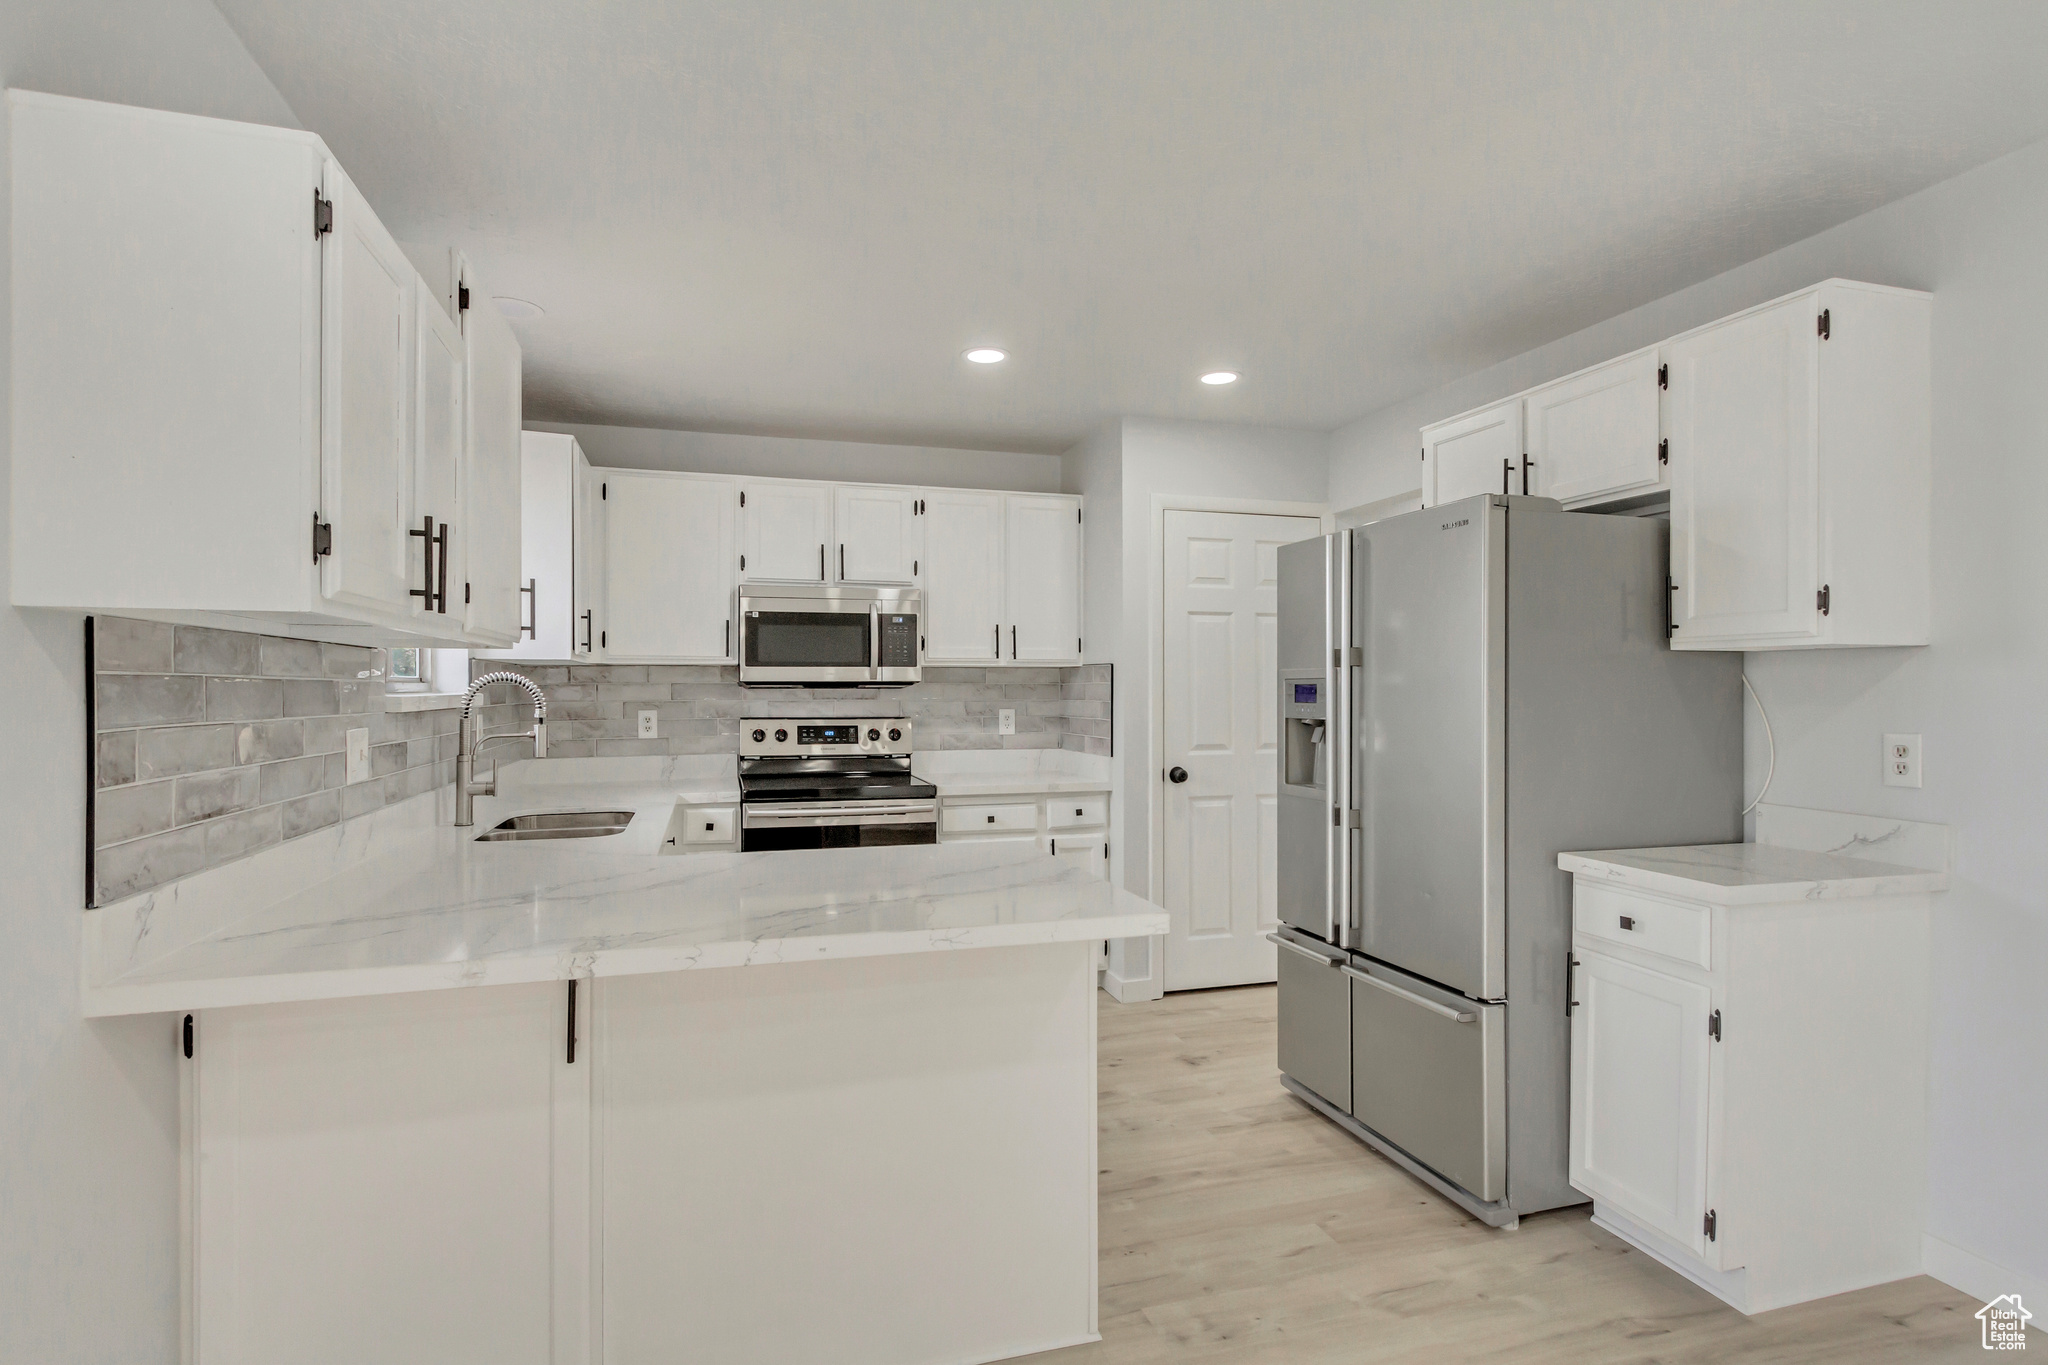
{"x":875,"y":637}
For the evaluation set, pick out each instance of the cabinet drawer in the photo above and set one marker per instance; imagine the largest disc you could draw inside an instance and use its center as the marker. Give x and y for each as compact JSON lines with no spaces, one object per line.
{"x":988,"y":819}
{"x":706,"y":824}
{"x":1076,"y":812}
{"x":1680,"y":930}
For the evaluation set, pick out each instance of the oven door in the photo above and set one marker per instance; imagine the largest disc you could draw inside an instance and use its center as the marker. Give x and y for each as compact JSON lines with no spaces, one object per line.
{"x":768,"y":825}
{"x":807,"y":642}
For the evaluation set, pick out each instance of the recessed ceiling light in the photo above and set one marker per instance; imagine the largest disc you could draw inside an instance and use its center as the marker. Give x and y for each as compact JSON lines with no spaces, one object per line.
{"x":987,"y":355}
{"x":1220,"y":377}
{"x":519,"y":310}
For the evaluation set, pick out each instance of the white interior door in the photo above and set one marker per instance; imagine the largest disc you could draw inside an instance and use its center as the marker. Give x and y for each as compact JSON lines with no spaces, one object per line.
{"x":1220,"y":725}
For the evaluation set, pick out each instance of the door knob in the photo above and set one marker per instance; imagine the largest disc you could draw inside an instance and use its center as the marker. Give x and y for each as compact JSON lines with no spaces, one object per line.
{"x":1177,"y":775}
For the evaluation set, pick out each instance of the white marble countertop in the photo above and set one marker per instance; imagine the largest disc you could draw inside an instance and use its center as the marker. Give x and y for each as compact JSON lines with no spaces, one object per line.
{"x":1750,"y":874}
{"x":1006,"y":772}
{"x":403,"y":901}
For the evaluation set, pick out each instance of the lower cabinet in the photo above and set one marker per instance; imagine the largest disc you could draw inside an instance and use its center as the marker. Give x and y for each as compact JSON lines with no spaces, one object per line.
{"x":1089,"y":852}
{"x":1071,"y":826}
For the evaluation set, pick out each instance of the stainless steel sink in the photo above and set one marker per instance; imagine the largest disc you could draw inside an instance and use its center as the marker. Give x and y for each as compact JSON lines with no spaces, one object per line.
{"x":566,"y":824}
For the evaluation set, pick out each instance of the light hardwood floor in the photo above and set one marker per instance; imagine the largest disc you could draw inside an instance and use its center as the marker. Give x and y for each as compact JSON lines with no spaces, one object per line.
{"x":1238,"y":1226}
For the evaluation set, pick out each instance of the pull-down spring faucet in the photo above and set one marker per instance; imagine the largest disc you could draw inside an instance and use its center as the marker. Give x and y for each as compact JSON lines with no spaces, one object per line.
{"x":467,"y":788}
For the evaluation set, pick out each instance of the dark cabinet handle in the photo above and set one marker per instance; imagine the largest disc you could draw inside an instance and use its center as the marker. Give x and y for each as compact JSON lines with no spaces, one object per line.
{"x":588,"y":633}
{"x":1013,"y":644}
{"x":531,"y":630}
{"x":1570,"y":968}
{"x":821,"y":564}
{"x":842,"y":561}
{"x":1526,"y":462}
{"x":1506,"y":465}
{"x":441,"y":588}
{"x":426,"y":588}
{"x":572,"y":1021}
{"x":728,"y":635}
{"x":1628,"y":921}
{"x":1177,"y":774}
{"x":999,"y":642}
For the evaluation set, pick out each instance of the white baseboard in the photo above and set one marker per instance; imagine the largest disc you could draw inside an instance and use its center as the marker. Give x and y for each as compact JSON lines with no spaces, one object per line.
{"x":1131,"y":992}
{"x":1981,"y":1279}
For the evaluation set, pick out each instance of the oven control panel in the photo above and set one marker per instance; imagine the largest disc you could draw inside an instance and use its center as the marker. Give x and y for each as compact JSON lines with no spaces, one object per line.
{"x":796,"y":737}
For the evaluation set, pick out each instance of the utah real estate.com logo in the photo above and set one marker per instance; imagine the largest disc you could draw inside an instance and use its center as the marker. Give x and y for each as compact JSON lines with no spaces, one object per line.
{"x":2005,"y":1323}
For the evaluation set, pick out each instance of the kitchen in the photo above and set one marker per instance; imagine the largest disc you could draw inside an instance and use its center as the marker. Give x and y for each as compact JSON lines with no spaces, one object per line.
{"x":259,"y":766}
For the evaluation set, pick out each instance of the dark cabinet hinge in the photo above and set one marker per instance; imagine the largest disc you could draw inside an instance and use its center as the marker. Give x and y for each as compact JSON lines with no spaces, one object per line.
{"x":1664,"y":451}
{"x":1823,"y":324}
{"x":323,"y":214}
{"x":1663,"y":376}
{"x":323,"y":538}
{"x":188,"y":1036}
{"x":1822,"y":598}
{"x":1424,"y":456}
{"x":1714,"y":1026}
{"x":1710,"y":1222}
{"x":604,"y":492}
{"x":1077,"y":516}
{"x":743,"y":497}
{"x":743,"y":563}
{"x":462,"y":298}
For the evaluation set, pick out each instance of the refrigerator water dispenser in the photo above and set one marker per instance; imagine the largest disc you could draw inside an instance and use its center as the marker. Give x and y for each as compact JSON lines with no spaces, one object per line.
{"x":1305,"y":718}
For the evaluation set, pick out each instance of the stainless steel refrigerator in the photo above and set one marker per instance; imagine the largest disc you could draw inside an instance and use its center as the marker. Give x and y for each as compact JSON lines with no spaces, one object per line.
{"x":1465,"y":692}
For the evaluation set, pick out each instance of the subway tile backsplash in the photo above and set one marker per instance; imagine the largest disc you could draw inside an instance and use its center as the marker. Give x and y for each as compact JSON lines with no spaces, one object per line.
{"x":593,"y":709}
{"x":214,"y":744}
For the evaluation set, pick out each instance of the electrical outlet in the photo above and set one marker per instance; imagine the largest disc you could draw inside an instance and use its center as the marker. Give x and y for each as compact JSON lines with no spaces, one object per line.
{"x":1902,"y":760}
{"x":650,"y":722}
{"x":1006,"y":722}
{"x":358,"y":756}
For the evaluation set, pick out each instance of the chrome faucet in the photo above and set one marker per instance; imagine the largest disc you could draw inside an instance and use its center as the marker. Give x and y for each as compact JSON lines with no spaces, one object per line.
{"x":467,"y":788}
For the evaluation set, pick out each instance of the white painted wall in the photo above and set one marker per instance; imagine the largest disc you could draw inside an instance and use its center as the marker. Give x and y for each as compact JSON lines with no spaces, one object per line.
{"x":88,"y":1111}
{"x":710,"y":452}
{"x":1976,"y":693}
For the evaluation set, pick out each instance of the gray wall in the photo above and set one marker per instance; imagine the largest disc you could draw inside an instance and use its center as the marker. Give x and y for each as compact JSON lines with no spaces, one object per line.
{"x":214,"y":744}
{"x":89,"y":1122}
{"x":784,"y":457}
{"x":1976,"y":693}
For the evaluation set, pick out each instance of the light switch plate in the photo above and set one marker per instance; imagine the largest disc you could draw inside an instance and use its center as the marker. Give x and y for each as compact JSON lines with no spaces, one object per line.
{"x":650,"y":724}
{"x":1902,"y":760}
{"x":358,"y":756}
{"x":1006,"y":722}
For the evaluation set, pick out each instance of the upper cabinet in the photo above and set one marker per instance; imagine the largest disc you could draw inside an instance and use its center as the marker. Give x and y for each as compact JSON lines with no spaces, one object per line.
{"x":1793,"y":440}
{"x":555,"y":524}
{"x":785,"y":531}
{"x":880,"y":535}
{"x":1480,"y":452}
{"x":1595,"y":434}
{"x":1042,"y":578}
{"x":1801,"y":473}
{"x":963,"y":576}
{"x":669,"y":565}
{"x":241,"y":407}
{"x":493,"y":468}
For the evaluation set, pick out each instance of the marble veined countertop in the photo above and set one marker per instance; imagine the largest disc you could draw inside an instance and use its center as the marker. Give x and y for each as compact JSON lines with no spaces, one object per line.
{"x":1004,"y":772}
{"x":1751,"y":874}
{"x":402,"y":901}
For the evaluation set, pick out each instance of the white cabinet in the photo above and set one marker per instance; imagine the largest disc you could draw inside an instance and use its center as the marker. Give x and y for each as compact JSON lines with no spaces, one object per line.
{"x":669,"y":565}
{"x":785,"y":531}
{"x":1639,"y":1094}
{"x":1800,"y":473}
{"x":1479,"y":452}
{"x":438,"y":436}
{"x":1089,"y":852}
{"x":963,"y":576}
{"x":880,"y":534}
{"x":384,"y":1179}
{"x":219,"y":418}
{"x":493,"y":525}
{"x":554,"y":524}
{"x":1593,"y":436}
{"x":1042,"y":578}
{"x":586,"y":630}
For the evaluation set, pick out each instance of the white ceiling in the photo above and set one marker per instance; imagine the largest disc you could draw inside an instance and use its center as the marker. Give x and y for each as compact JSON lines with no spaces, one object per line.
{"x":791,"y":217}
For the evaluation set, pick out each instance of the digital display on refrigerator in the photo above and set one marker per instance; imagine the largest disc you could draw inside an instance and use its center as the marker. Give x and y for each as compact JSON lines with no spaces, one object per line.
{"x":1305,"y":693}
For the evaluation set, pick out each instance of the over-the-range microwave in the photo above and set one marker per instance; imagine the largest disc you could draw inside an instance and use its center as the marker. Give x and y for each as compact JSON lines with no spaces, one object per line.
{"x":822,"y":636}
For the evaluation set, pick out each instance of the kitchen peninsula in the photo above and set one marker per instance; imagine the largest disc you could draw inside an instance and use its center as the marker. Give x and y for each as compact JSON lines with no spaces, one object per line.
{"x":881,"y":1149}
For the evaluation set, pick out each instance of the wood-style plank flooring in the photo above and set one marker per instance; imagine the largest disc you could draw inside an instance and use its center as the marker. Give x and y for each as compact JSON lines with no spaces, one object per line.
{"x":1238,"y":1226}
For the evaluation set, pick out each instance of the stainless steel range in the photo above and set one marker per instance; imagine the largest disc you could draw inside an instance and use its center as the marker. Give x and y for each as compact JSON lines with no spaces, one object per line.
{"x":842,"y":782}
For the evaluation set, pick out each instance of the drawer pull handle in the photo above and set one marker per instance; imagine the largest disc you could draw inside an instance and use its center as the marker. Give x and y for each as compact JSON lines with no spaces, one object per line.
{"x":1628,"y":921}
{"x":1311,"y":954}
{"x":991,"y":819}
{"x":1457,"y":1016}
{"x":1077,"y":810}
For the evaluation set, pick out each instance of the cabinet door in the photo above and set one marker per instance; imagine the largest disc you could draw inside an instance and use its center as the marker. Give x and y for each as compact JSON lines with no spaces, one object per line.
{"x":1477,"y":453}
{"x":1744,"y":535}
{"x":1639,"y":1094}
{"x":963,"y":576}
{"x":1041,"y":578}
{"x":1595,"y":434}
{"x":366,"y":437}
{"x":881,"y":537}
{"x":491,"y":520}
{"x":1089,"y":852}
{"x":437,"y":462}
{"x":383,"y":1179}
{"x":785,"y":532}
{"x":548,"y":511}
{"x":588,"y":589}
{"x":668,"y":567}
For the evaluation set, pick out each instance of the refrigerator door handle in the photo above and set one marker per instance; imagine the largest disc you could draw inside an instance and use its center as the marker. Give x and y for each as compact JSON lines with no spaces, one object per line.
{"x":1327,"y":959}
{"x":1459,"y":1016}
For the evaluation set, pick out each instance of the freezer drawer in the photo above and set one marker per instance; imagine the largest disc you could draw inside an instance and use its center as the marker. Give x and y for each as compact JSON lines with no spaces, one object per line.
{"x":1429,"y":1074}
{"x":1315,"y":1021}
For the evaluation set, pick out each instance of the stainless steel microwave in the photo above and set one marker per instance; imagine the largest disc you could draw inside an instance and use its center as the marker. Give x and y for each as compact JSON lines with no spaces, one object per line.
{"x":801,"y":636}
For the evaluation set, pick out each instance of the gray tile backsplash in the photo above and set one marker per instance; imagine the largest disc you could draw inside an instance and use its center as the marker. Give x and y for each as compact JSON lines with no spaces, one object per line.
{"x":593,"y":709}
{"x":213,"y":744}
